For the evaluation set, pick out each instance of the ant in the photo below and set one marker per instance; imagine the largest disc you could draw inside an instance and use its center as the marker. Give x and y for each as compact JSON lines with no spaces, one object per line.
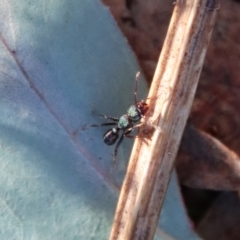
{"x":125,"y":123}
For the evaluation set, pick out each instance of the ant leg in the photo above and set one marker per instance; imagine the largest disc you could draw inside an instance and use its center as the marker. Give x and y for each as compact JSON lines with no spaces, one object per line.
{"x":136,"y":87}
{"x":99,"y":125}
{"x":154,"y":126}
{"x":125,"y":134}
{"x":131,"y":136}
{"x":109,"y":118}
{"x":137,"y":136}
{"x":150,"y":123}
{"x":117,"y":146}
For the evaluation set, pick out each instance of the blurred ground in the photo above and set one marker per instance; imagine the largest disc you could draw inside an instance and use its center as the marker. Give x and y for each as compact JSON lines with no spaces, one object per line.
{"x":208,"y":162}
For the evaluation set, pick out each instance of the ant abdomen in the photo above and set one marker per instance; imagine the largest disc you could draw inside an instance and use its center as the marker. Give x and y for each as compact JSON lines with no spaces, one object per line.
{"x":111,"y":136}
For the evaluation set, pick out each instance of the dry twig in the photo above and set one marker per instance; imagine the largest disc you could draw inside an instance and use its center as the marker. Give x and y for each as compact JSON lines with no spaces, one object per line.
{"x":171,"y":96}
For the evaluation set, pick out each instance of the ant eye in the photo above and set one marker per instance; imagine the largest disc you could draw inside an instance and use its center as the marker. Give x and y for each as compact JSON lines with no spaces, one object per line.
{"x":110,"y":137}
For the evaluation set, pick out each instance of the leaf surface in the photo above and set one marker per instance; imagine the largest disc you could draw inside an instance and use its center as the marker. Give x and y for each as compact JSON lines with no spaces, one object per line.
{"x":60,"y":62}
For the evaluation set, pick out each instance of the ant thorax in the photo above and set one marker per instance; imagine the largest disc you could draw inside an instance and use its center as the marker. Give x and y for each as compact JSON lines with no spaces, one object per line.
{"x":124,"y":122}
{"x":134,"y":113}
{"x":137,"y":111}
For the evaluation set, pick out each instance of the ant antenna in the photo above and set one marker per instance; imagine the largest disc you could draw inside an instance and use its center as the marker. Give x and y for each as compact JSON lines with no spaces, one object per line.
{"x":136,"y":87}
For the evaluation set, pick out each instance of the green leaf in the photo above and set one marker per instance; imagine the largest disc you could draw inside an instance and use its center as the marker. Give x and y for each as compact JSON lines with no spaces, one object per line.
{"x":61,"y":61}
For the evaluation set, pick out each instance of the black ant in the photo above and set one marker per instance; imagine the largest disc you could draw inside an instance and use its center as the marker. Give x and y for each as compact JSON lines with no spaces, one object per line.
{"x":125,"y":123}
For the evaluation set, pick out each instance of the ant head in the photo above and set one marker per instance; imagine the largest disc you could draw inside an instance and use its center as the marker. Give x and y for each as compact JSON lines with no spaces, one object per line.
{"x":143,"y":107}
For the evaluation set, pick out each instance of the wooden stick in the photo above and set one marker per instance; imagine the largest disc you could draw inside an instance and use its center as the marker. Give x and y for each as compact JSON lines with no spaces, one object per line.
{"x":174,"y":83}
